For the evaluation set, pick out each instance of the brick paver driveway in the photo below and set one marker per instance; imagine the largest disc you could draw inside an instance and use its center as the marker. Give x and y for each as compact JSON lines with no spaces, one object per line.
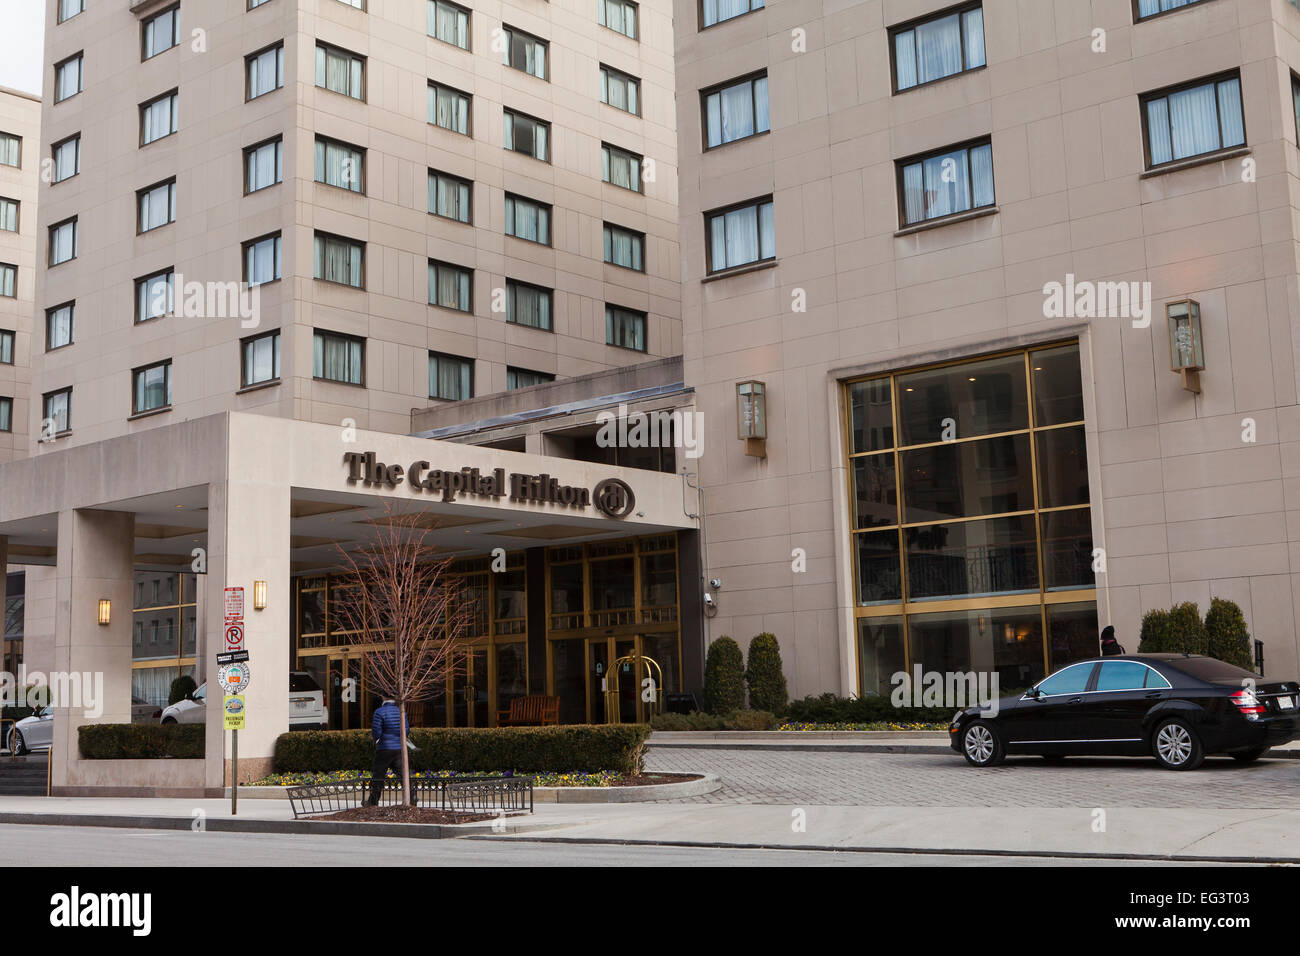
{"x":796,"y":778}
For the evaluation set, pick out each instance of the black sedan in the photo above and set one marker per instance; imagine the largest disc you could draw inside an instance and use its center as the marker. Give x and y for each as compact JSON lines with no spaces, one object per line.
{"x":1178,"y":708}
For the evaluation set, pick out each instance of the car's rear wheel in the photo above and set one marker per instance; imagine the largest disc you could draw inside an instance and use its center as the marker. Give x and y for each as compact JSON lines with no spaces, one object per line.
{"x":17,"y":746}
{"x":169,"y":720}
{"x":1248,"y":756}
{"x":1176,"y":746}
{"x":981,"y":745}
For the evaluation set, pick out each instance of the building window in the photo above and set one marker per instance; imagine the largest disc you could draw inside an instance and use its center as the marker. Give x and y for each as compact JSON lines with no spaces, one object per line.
{"x":524,"y":52}
{"x":1295,"y":105}
{"x":160,"y":32}
{"x":449,"y":196}
{"x":1144,"y":9}
{"x":529,"y":220}
{"x":736,"y":111}
{"x":8,"y":215}
{"x":67,"y":78}
{"x":449,"y":23}
{"x":8,"y":280}
{"x":70,"y":8}
{"x":618,"y":15}
{"x":946,"y":183}
{"x":449,"y":108}
{"x":265,"y":71}
{"x":63,"y":241}
{"x":261,"y":360}
{"x":157,"y":205}
{"x":358,"y":4}
{"x":155,"y":296}
{"x":625,"y":328}
{"x":6,"y":414}
{"x":1194,"y":120}
{"x":153,"y":388}
{"x":937,"y":47}
{"x":528,"y":305}
{"x":262,"y":260}
{"x":6,"y":347}
{"x":620,"y":168}
{"x":56,"y":412}
{"x":263,"y":165}
{"x":11,"y":150}
{"x":620,"y":90}
{"x":338,"y":260}
{"x":340,"y":71}
{"x":256,"y":3}
{"x":523,"y":134}
{"x":715,"y":11}
{"x":341,"y":165}
{"x":59,"y":326}
{"x":450,"y":378}
{"x":159,"y":118}
{"x":523,"y":378}
{"x":338,"y":358}
{"x":67,"y":158}
{"x":625,"y":248}
{"x":449,"y":286}
{"x":741,"y":235}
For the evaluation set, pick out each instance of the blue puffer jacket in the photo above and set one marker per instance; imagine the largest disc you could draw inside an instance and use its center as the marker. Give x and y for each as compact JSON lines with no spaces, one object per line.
{"x":385,"y":728}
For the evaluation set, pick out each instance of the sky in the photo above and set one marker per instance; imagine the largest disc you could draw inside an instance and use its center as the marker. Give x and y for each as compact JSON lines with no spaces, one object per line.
{"x":22,"y":44}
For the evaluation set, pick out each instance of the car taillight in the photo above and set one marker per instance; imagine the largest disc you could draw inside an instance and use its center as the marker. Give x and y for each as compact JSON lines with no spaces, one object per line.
{"x":1248,"y":703}
{"x":157,"y":713}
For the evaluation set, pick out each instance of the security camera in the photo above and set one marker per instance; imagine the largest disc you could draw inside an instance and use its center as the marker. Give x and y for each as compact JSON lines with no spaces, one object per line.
{"x":715,"y":583}
{"x":708,"y":599}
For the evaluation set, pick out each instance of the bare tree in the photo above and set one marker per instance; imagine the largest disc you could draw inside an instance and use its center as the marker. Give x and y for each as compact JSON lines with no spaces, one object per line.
{"x":406,"y":618}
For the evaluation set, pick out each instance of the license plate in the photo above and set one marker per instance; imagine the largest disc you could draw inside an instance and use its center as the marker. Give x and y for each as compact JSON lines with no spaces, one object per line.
{"x":302,"y":705}
{"x":1286,"y":703}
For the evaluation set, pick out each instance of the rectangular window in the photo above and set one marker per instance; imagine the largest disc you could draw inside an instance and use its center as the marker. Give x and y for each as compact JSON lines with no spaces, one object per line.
{"x":524,"y":52}
{"x":6,"y":414}
{"x":625,"y":328}
{"x":529,"y":220}
{"x":946,"y":183}
{"x":715,"y":11}
{"x":1193,"y":120}
{"x":67,"y":78}
{"x":160,"y":32}
{"x":1149,"y":8}
{"x":523,"y":378}
{"x":449,"y":23}
{"x":528,"y":305}
{"x":938,"y":46}
{"x":340,"y":71}
{"x":159,"y":117}
{"x":265,"y":71}
{"x":338,"y":260}
{"x":620,"y":168}
{"x":449,"y":196}
{"x":339,"y":164}
{"x":8,"y":280}
{"x":70,"y":8}
{"x":59,"y":326}
{"x":153,"y":388}
{"x":56,"y":411}
{"x":261,"y":361}
{"x":620,"y":90}
{"x":736,"y":111}
{"x":449,"y":108}
{"x":157,"y":205}
{"x":67,"y":158}
{"x":618,"y":15}
{"x":6,"y":347}
{"x":450,"y":378}
{"x":155,"y":296}
{"x":1295,"y":105}
{"x":338,"y":358}
{"x":11,"y":149}
{"x":359,"y":4}
{"x":262,"y":260}
{"x":625,"y":248}
{"x":449,"y":286}
{"x":741,"y":235}
{"x":63,"y":241}
{"x":256,"y":3}
{"x":263,"y":165}
{"x":8,"y":215}
{"x":523,"y":134}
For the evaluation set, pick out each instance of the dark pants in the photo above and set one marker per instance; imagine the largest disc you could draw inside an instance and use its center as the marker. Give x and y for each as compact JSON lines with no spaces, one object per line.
{"x":383,"y":760}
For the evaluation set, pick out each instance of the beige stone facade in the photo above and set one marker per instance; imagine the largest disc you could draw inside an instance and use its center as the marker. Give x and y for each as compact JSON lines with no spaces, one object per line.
{"x":20,"y":119}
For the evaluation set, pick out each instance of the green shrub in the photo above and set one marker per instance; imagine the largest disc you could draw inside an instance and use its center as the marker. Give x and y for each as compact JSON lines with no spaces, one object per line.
{"x":764,"y":675}
{"x":695,"y":721}
{"x":181,"y":688}
{"x":724,"y":677}
{"x":141,"y":741}
{"x":833,"y":709}
{"x":1227,"y":638}
{"x":1176,"y":631}
{"x":752,"y":720}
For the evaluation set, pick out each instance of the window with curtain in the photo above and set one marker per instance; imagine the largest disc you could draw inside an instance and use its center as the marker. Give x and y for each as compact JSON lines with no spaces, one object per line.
{"x":67,"y":78}
{"x":523,"y":378}
{"x":618,"y":15}
{"x":162,"y":31}
{"x":8,"y":280}
{"x":741,"y":235}
{"x":449,"y":196}
{"x":625,"y":248}
{"x":153,"y":387}
{"x":940,"y":46}
{"x":1149,"y":8}
{"x":56,"y":411}
{"x":63,"y":241}
{"x":735,"y":111}
{"x":620,"y":168}
{"x":523,"y":134}
{"x":529,"y":220}
{"x":265,"y":71}
{"x":715,"y":11}
{"x":262,"y":260}
{"x":339,"y":71}
{"x":263,"y":165}
{"x":620,"y":90}
{"x":261,"y":359}
{"x":339,"y":164}
{"x":6,"y":414}
{"x":6,"y":347}
{"x":8,"y":215}
{"x":524,"y":52}
{"x":450,"y":378}
{"x":947,"y":182}
{"x":338,"y":260}
{"x":67,"y":158}
{"x":11,"y":149}
{"x":58,"y":326}
{"x":70,"y":8}
{"x":625,"y":328}
{"x":449,"y":109}
{"x":155,"y":295}
{"x":528,"y":305}
{"x":449,"y":286}
{"x":157,"y":205}
{"x":337,"y":358}
{"x":1194,"y":120}
{"x":449,"y":23}
{"x":159,"y":118}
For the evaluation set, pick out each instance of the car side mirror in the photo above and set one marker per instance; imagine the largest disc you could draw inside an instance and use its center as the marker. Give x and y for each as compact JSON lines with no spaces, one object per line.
{"x":1033,"y":693}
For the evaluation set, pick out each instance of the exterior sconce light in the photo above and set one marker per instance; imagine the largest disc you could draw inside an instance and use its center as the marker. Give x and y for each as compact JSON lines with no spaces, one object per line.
{"x":1186,"y":344}
{"x":751,"y":417}
{"x":105,"y":611}
{"x":259,"y":595}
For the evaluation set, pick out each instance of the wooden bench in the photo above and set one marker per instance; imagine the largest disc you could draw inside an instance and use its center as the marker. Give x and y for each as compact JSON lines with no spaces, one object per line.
{"x":531,"y":711}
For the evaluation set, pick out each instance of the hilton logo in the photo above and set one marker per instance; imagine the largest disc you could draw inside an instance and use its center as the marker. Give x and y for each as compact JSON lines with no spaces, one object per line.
{"x":614,"y":497}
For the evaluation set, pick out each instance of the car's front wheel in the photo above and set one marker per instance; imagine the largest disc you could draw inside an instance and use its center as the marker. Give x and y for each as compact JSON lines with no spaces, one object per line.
{"x":17,"y":746}
{"x":981,"y":745}
{"x":1248,"y":756}
{"x":169,"y":720}
{"x":1176,"y":746}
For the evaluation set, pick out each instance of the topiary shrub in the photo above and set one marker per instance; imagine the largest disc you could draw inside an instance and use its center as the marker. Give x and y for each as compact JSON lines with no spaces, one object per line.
{"x":181,"y":688}
{"x":1176,"y":631}
{"x":764,"y":676}
{"x":724,"y":677}
{"x":141,"y":741}
{"x":1227,"y":638}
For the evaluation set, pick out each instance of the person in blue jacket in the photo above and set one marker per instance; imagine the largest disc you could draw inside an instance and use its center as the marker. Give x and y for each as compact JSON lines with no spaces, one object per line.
{"x":386,"y":729}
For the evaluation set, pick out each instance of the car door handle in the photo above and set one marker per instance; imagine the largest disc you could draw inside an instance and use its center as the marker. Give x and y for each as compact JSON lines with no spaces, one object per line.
{"x":1154,"y":694}
{"x":1075,"y":700}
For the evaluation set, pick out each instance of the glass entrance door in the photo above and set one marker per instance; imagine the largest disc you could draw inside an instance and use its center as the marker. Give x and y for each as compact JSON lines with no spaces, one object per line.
{"x":470,"y":689}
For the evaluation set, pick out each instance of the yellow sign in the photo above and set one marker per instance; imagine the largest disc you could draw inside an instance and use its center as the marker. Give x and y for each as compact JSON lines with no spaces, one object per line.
{"x":233,"y":709}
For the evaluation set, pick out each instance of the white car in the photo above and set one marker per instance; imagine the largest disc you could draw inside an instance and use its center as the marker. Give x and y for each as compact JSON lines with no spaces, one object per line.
{"x":190,"y":710}
{"x":32,"y":733}
{"x":307,"y":710}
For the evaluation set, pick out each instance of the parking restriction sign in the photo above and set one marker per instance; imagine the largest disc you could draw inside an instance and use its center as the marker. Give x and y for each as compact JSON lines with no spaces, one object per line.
{"x":234,"y":604}
{"x":234,"y":636}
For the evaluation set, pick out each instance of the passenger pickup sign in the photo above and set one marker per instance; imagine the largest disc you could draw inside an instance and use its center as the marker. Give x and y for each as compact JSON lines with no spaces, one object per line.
{"x":233,"y":712}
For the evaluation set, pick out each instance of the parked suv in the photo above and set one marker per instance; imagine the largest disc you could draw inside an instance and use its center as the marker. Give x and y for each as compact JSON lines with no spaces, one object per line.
{"x":307,"y":710}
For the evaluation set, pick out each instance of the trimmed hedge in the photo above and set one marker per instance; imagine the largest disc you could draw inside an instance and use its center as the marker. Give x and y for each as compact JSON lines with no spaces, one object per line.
{"x":141,"y":741}
{"x":764,"y":674}
{"x":573,"y":747}
{"x":1176,"y":631}
{"x":724,"y":677}
{"x":1226,"y":634}
{"x":832,"y":709}
{"x":738,"y":720}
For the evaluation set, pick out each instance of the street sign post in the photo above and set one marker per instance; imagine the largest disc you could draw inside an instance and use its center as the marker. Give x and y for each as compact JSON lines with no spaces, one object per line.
{"x":233,"y":674}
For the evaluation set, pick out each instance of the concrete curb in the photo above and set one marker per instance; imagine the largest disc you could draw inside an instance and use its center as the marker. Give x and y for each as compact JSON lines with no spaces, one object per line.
{"x":659,"y":791}
{"x":668,"y":736}
{"x":848,"y":748}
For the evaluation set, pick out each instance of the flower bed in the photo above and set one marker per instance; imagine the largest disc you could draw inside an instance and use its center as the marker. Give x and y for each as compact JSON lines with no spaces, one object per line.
{"x":602,"y":779}
{"x":878,"y":725}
